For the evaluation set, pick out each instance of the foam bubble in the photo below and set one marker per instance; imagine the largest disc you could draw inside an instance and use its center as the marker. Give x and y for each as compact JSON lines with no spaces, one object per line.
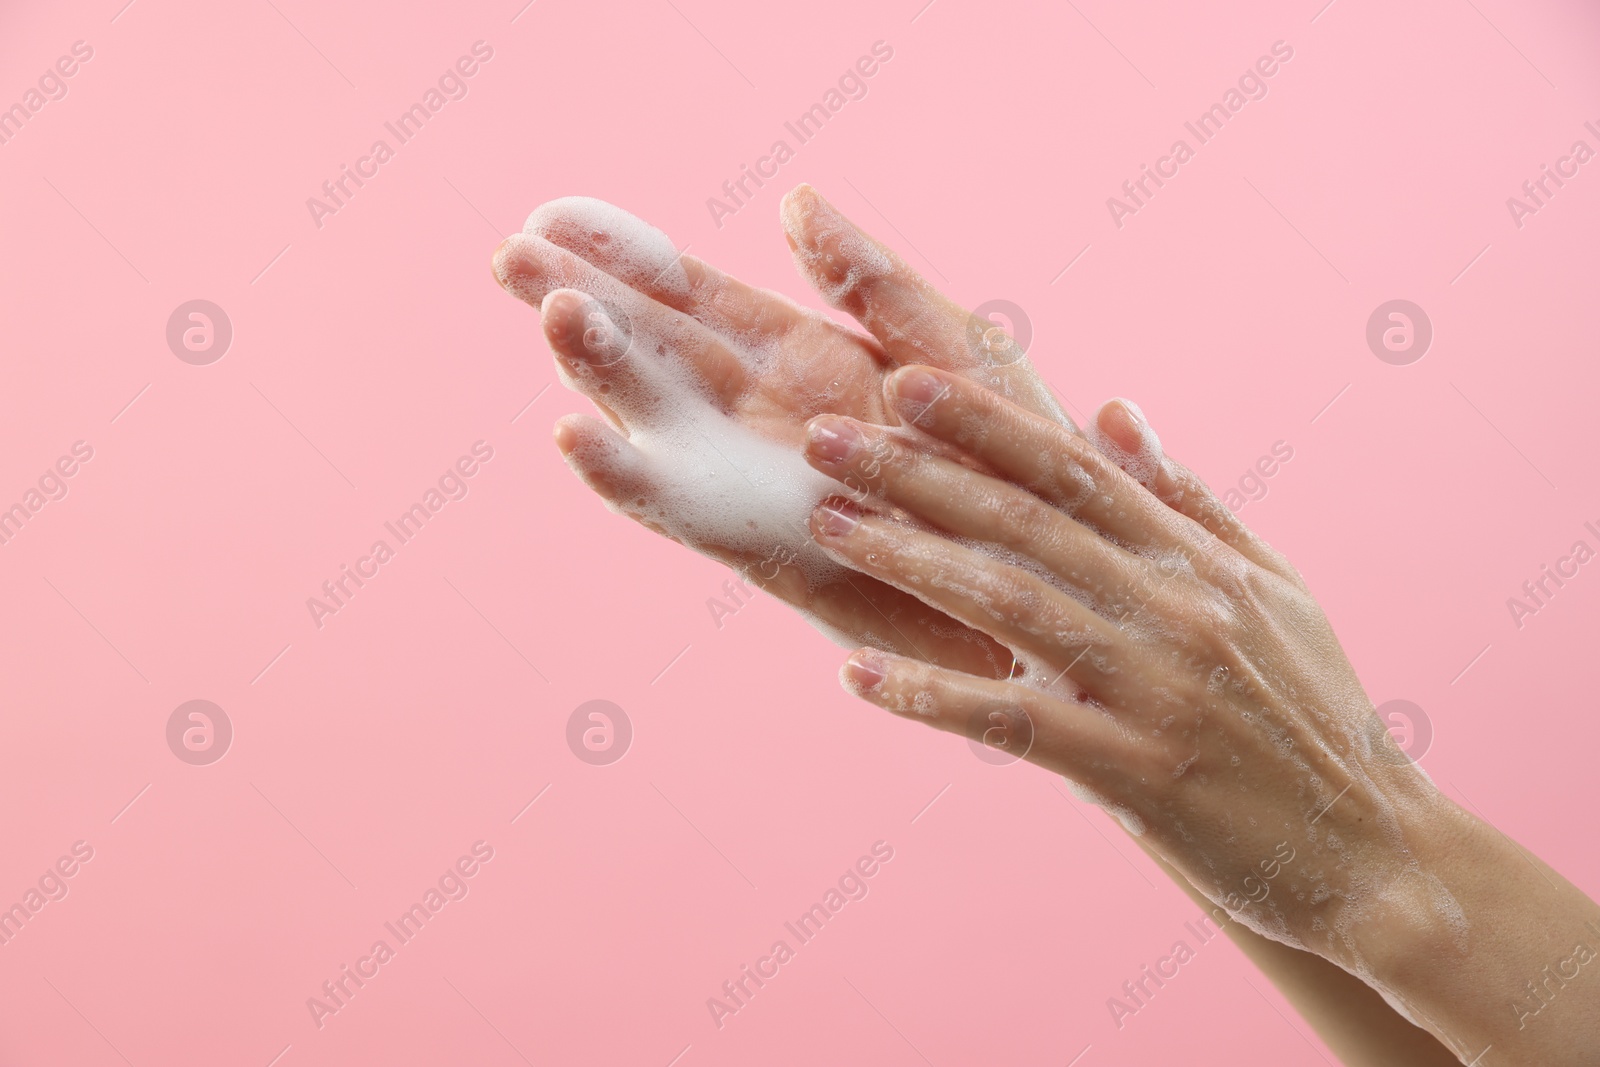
{"x":720,"y":483}
{"x":624,"y":246}
{"x":1126,"y":816}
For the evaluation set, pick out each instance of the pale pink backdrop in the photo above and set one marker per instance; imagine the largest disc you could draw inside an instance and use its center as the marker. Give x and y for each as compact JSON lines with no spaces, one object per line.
{"x":371,"y":352}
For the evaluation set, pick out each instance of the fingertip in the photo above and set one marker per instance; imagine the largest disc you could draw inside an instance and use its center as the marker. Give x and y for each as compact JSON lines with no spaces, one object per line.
{"x":798,"y":198}
{"x":558,"y":308}
{"x":864,"y":672}
{"x":501,"y":263}
{"x":794,"y":212}
{"x":1123,"y":435}
{"x":565,"y":434}
{"x":494,"y":261}
{"x":915,"y":384}
{"x":807,"y":216}
{"x":558,"y":318}
{"x":582,"y":330}
{"x":834,"y":518}
{"x":521,"y":268}
{"x":601,"y":456}
{"x":1123,"y":422}
{"x":832,"y":440}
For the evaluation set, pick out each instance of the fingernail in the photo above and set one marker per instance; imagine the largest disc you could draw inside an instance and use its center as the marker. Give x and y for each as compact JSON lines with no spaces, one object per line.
{"x":1124,"y":423}
{"x":832,"y":440}
{"x":836,"y":519}
{"x":918,"y":385}
{"x":862,"y":672}
{"x":601,"y":341}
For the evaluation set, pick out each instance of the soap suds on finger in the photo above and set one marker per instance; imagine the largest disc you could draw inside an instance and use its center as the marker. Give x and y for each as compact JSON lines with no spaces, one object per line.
{"x":616,"y":241}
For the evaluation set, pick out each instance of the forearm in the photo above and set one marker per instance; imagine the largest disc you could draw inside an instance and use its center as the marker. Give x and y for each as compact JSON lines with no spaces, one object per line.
{"x":1519,"y":981}
{"x":1506,"y":973}
{"x":1350,"y":1016}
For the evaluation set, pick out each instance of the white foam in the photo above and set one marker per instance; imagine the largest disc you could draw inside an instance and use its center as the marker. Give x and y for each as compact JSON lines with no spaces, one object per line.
{"x":1126,"y":816}
{"x":714,"y":482}
{"x":619,"y":243}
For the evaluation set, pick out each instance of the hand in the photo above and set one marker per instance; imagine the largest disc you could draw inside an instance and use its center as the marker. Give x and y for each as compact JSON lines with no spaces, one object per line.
{"x":699,"y":371}
{"x":1185,"y":679}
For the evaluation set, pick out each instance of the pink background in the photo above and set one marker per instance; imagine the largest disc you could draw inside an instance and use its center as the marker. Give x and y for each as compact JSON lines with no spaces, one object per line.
{"x":370,"y":353}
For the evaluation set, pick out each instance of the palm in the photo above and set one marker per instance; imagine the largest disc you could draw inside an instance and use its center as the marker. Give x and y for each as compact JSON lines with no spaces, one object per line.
{"x":767,"y":363}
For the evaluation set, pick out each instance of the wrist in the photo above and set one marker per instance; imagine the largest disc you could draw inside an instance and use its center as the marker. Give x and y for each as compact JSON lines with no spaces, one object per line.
{"x":1408,"y":917}
{"x":1484,"y":945}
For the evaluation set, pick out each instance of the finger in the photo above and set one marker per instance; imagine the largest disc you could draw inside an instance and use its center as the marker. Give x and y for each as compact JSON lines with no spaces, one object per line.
{"x":1123,"y":433}
{"x":621,"y":370}
{"x":531,"y":268}
{"x":863,"y":610}
{"x":609,"y":464}
{"x":1059,"y":466}
{"x":913,"y":321}
{"x":853,"y":611}
{"x":1020,"y":610}
{"x":971,"y":505}
{"x":582,"y":349}
{"x":643,"y":258}
{"x":1066,"y":737}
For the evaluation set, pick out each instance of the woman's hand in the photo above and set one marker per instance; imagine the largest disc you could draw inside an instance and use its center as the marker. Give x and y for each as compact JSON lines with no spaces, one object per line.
{"x":1170,"y":661}
{"x":1188,"y":681}
{"x":1176,"y":668}
{"x":621,"y":308}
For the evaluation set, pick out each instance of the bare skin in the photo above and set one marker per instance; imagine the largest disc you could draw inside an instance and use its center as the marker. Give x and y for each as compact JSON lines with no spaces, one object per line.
{"x":1186,"y":676}
{"x":551,"y":268}
{"x":561,"y":264}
